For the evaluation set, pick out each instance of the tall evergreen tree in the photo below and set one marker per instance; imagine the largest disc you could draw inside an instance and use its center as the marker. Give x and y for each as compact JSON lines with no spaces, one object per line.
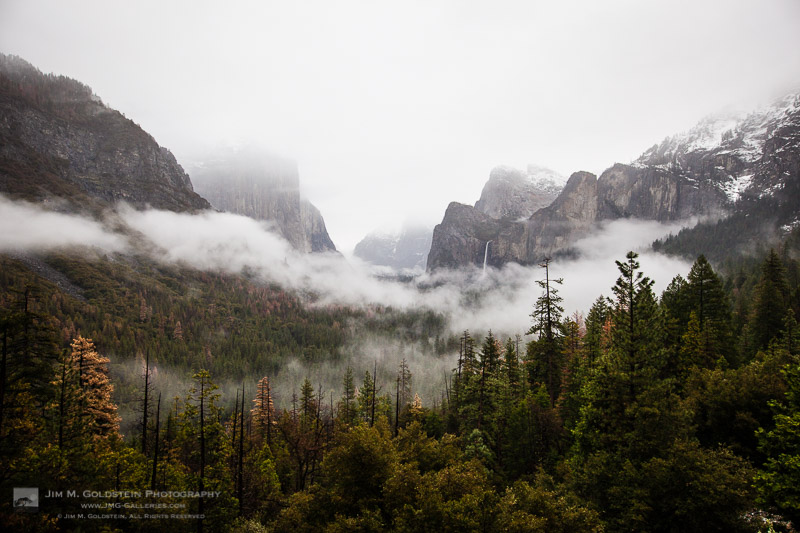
{"x":404,"y":373}
{"x":96,"y":386}
{"x":348,"y":406}
{"x":545,"y":356}
{"x":634,"y":439}
{"x":489,"y":379}
{"x":771,"y":303}
{"x":263,"y":411}
{"x":779,"y":481}
{"x":597,"y":327}
{"x":206,"y":450}
{"x":707,"y":299}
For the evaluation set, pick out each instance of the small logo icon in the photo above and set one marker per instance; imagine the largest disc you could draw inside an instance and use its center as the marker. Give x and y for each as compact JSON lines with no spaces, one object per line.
{"x":26,"y":499}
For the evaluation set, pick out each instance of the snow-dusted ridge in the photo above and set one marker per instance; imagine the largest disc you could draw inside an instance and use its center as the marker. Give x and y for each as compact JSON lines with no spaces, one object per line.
{"x":739,"y":132}
{"x":724,"y":149}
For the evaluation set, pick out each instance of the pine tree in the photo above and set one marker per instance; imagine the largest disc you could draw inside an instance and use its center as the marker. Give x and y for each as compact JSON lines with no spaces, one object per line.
{"x":468,"y":386}
{"x":348,"y":406}
{"x":511,"y":365}
{"x":707,"y":299}
{"x":71,"y":420}
{"x":366,"y":398}
{"x":148,"y":386}
{"x":489,"y":381}
{"x":96,"y":386}
{"x":635,"y":333}
{"x":771,"y":303}
{"x":633,"y":439}
{"x":545,"y":356}
{"x":206,"y":450}
{"x":177,"y":332}
{"x":28,"y":349}
{"x":308,"y":403}
{"x":404,"y":373}
{"x":596,"y":328}
{"x":263,"y":411}
{"x":697,"y":349}
{"x":575,"y":370}
{"x":779,"y":481}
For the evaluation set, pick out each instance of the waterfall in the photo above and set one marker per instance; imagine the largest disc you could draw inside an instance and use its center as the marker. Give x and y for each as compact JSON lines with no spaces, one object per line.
{"x":485,"y":256}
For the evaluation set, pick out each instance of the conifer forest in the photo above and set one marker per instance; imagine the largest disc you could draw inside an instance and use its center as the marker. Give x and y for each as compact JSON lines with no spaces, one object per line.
{"x":403,"y":267}
{"x":670,"y":412}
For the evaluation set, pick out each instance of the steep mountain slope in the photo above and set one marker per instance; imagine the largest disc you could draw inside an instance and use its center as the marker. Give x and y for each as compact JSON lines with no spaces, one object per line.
{"x":513,"y":194}
{"x":265,"y":188}
{"x":59,"y":141}
{"x":757,"y":163}
{"x":509,"y":197}
{"x":407,"y":250}
{"x":738,"y":171}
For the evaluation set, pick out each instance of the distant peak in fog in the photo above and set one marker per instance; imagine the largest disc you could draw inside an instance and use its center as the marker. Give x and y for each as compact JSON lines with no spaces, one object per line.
{"x":511,"y":193}
{"x":401,"y":250}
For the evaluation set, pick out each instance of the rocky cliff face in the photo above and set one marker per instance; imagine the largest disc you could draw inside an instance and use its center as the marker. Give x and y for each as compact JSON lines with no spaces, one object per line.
{"x":509,"y":198}
{"x":754,"y":160}
{"x":58,"y":140}
{"x":513,"y":194}
{"x":264,"y":188}
{"x":407,"y":250}
{"x":731,"y":166}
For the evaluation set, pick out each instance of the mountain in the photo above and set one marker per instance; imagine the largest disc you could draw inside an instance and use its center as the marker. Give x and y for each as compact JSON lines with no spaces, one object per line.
{"x":509,"y":197}
{"x":755,"y":160}
{"x":514,"y":194}
{"x":263,"y":187}
{"x":731,"y":170}
{"x":406,"y":250}
{"x":59,"y":142}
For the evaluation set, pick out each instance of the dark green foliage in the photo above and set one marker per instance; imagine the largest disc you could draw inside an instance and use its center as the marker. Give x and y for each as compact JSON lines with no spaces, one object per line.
{"x":730,"y":404}
{"x":597,"y":326}
{"x":772,"y":302}
{"x":643,"y":420}
{"x":544,"y":356}
{"x":779,"y":481}
{"x":357,"y":466}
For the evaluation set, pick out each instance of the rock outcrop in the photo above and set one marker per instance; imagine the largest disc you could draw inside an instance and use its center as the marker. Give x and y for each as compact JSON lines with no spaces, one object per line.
{"x":728,"y":168}
{"x":755,"y":161}
{"x":265,"y":188}
{"x":59,"y":141}
{"x":513,"y":194}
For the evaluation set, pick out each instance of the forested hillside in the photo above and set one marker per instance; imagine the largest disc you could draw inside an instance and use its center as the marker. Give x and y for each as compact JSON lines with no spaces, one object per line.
{"x":184,"y":383}
{"x":671,"y":412}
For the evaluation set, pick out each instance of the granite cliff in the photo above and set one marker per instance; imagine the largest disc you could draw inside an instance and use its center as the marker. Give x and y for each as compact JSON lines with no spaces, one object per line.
{"x":58,"y":141}
{"x":725,"y":169}
{"x":263,"y":187}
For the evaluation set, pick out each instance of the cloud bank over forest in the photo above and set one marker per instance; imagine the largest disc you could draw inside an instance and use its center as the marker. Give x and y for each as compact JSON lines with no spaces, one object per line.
{"x":497,"y":299}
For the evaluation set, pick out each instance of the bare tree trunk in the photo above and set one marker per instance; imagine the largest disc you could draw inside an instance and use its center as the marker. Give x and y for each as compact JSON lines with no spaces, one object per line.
{"x":397,"y":407}
{"x":374,"y":391}
{"x":155,"y":445}
{"x":201,"y":487}
{"x":145,"y":406}
{"x":241,"y":453}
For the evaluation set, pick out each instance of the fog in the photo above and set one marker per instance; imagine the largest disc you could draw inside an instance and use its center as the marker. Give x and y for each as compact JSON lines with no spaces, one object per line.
{"x":497,"y":299}
{"x":471,"y":299}
{"x":396,"y":109}
{"x":28,"y":227}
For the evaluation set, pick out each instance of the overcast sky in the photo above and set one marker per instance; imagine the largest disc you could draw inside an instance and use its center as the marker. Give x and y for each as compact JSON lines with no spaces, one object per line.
{"x":394,"y":109}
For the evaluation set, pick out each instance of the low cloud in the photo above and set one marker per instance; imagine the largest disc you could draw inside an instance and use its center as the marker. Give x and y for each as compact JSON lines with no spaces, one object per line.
{"x":497,"y":299}
{"x":27,"y":227}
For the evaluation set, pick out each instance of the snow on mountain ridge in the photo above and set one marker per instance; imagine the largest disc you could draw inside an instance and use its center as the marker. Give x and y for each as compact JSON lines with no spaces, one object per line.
{"x":739,"y":132}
